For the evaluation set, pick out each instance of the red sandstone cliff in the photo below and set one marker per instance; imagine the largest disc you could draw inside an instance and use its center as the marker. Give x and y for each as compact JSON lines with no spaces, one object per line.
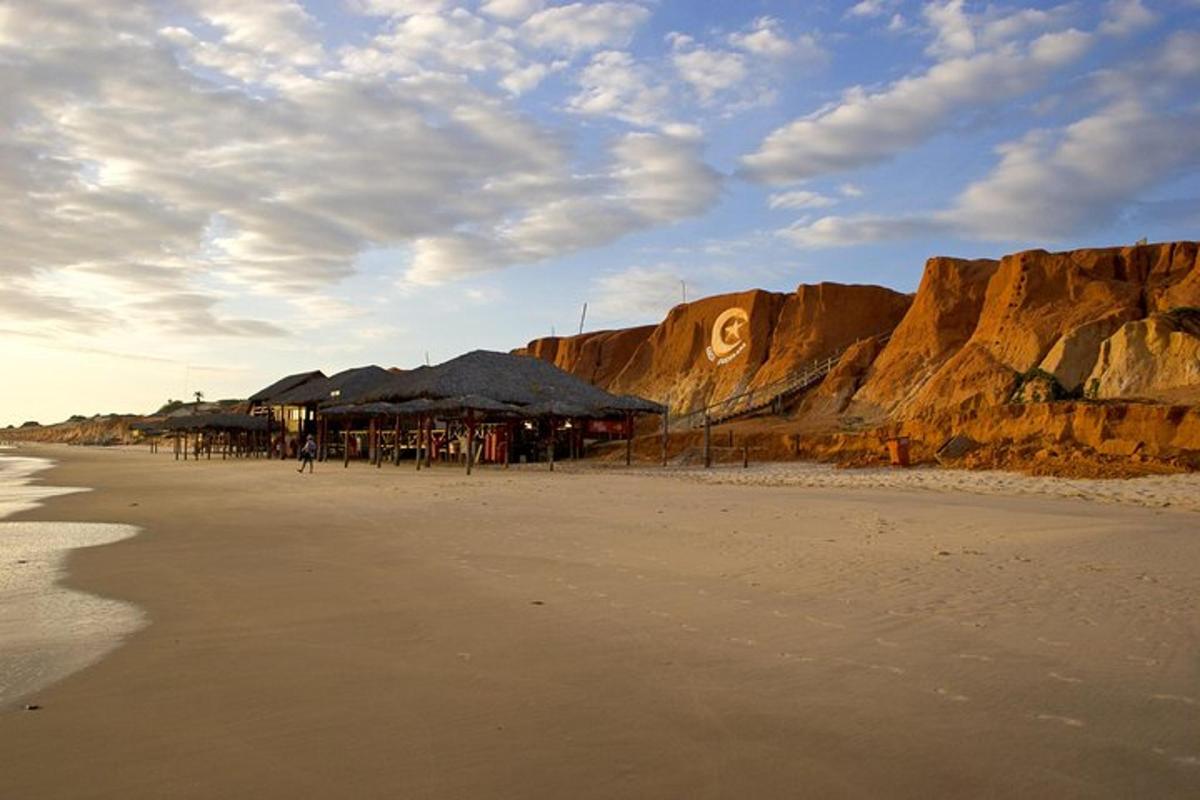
{"x":1038,"y":349}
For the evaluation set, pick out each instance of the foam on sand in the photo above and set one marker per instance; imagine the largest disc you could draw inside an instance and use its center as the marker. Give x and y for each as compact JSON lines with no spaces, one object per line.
{"x":47,"y":630}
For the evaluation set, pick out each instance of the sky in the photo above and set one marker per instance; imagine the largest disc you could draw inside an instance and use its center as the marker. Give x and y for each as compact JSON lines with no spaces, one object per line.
{"x":205,"y":195}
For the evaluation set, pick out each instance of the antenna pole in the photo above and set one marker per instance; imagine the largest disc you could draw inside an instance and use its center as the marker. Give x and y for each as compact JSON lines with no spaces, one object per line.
{"x":683,"y":288}
{"x":582,"y":317}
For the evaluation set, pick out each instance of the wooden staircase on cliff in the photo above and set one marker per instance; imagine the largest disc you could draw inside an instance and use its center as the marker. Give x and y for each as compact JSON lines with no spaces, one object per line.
{"x":772,"y":397}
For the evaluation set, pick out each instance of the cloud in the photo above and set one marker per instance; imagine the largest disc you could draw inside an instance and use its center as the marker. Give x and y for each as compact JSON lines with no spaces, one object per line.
{"x":800,"y":199}
{"x":652,"y":180}
{"x":1047,"y":186}
{"x":638,"y":291}
{"x":579,"y":27}
{"x":137,"y":184}
{"x":868,"y":127}
{"x":955,"y":35}
{"x":511,"y":10}
{"x":870,"y":8}
{"x":708,"y":71}
{"x":614,"y":84}
{"x":1123,"y":17}
{"x":764,"y":37}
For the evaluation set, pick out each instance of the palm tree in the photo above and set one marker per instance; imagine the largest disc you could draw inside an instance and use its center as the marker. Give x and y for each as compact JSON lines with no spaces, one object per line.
{"x":199,"y":396}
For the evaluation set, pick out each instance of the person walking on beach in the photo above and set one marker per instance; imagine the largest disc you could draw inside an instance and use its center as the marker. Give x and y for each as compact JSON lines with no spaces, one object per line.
{"x":308,"y":454}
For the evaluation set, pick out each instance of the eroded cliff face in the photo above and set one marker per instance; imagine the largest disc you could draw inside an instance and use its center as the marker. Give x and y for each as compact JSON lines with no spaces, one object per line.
{"x":703,"y":351}
{"x":941,"y":320}
{"x":709,"y":349}
{"x":979,"y":347}
{"x":958,"y":350}
{"x":817,"y":321}
{"x":596,"y":357}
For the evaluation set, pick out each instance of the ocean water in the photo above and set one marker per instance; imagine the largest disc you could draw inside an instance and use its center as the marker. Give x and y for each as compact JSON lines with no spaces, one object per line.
{"x":48,"y":631}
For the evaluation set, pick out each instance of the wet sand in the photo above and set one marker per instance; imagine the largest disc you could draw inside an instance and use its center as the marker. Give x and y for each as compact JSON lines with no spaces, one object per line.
{"x":384,"y":633}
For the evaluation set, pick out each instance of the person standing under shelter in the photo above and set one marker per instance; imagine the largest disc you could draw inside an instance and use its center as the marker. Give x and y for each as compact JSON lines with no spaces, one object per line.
{"x":308,"y":454}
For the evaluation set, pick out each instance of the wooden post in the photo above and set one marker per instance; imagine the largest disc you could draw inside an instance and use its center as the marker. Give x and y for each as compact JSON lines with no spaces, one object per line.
{"x":628,"y":439}
{"x":379,"y":443}
{"x":470,"y":440}
{"x":552,"y":433}
{"x":396,"y":443}
{"x":745,"y":457}
{"x":176,"y":445}
{"x":508,"y":443}
{"x":731,"y":438}
{"x":429,"y":441}
{"x":707,"y":442}
{"x":269,"y":415}
{"x":345,"y":442}
{"x":420,"y":440}
{"x":666,"y":433}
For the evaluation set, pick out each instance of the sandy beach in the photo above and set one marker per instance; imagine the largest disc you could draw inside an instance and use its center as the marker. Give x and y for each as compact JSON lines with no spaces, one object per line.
{"x":592,"y":633}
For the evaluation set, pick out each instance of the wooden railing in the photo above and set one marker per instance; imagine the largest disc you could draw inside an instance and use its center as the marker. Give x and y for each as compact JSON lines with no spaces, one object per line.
{"x":768,"y":396}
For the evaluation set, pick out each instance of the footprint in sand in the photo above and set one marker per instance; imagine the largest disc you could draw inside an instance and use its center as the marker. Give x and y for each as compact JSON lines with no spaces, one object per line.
{"x":1174,"y":698}
{"x":1070,"y":722}
{"x":690,"y":628}
{"x":946,"y":694}
{"x":1149,"y":662}
{"x":1190,"y":761}
{"x":1053,"y":642}
{"x":779,"y":613}
{"x":824,"y":623}
{"x":973,"y":657}
{"x":1064,"y":678}
{"x":885,"y":643}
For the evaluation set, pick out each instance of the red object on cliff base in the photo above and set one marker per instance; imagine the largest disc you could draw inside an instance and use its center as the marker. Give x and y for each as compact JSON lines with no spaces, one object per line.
{"x":898,"y":451}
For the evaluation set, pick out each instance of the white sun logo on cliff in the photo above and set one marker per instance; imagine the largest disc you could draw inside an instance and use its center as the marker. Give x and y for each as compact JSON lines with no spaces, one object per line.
{"x":728,"y":335}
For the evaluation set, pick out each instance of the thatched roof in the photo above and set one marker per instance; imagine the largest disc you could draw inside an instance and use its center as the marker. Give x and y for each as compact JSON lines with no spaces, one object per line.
{"x":279,"y":387}
{"x":364,"y":410}
{"x":636,"y":405}
{"x":473,"y":402}
{"x":215,"y":422}
{"x":557,"y":408}
{"x":503,"y":377}
{"x":348,"y":386}
{"x":451,"y":406}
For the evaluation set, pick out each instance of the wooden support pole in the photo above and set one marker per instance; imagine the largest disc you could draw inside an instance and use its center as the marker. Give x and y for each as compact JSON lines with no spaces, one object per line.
{"x":666,"y":433}
{"x":420,"y":440}
{"x":429,"y":441}
{"x":176,"y":445}
{"x":628,"y":439}
{"x":508,"y":443}
{"x":745,"y":457}
{"x":470,"y":440}
{"x":345,"y":442}
{"x":731,"y":438}
{"x":396,"y":443}
{"x":707,"y":442}
{"x":552,"y":434}
{"x":379,"y":444}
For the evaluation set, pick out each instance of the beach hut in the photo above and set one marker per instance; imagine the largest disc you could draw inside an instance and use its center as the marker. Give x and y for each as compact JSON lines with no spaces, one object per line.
{"x":234,"y":435}
{"x":281,"y":419}
{"x":532,"y":387}
{"x":298,"y":406}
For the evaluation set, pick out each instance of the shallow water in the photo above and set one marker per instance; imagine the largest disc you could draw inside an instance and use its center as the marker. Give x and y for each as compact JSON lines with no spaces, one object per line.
{"x":48,"y":631}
